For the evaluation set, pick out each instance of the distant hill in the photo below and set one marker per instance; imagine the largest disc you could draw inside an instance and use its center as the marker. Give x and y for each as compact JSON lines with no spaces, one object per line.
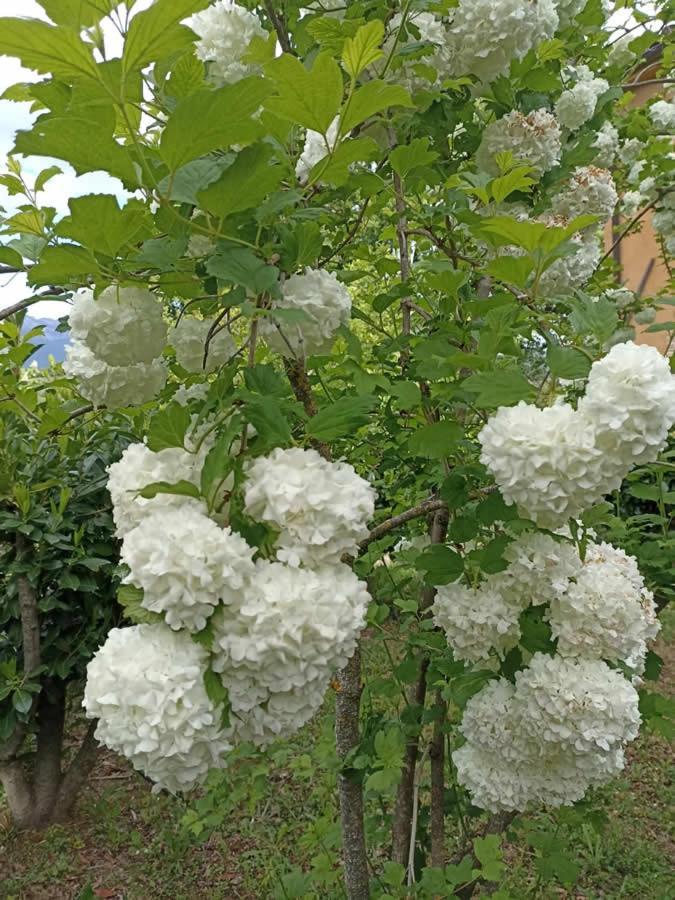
{"x":51,"y":343}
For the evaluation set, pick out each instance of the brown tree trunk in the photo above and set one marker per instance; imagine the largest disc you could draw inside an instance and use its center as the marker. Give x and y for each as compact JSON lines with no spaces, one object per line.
{"x":437,"y":755}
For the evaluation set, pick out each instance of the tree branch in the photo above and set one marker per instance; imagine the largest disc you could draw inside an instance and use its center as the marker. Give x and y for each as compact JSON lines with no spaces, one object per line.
{"x":628,"y":228}
{"x":17,"y":307}
{"x":637,"y":84}
{"x":350,"y":234}
{"x":28,"y":610}
{"x":395,"y":522}
{"x":277,"y":20}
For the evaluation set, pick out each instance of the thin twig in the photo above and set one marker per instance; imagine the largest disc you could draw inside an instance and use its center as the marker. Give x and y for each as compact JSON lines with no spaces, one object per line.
{"x":350,"y":234}
{"x":277,"y":20}
{"x":637,"y":84}
{"x":628,"y":227}
{"x":395,"y":522}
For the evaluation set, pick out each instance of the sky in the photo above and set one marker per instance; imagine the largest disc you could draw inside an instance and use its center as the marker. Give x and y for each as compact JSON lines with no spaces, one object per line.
{"x":16,"y":116}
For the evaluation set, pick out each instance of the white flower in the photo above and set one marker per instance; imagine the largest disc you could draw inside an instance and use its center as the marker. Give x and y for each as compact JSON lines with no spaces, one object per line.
{"x":663,"y":221}
{"x":630,"y":150}
{"x":606,"y":612}
{"x":316,"y":148}
{"x":489,"y":720}
{"x":189,"y":338}
{"x":634,"y":175}
{"x":122,"y":327}
{"x":113,"y":386}
{"x":478,"y":620}
{"x":569,"y":10}
{"x":291,"y":625}
{"x":485,"y":36}
{"x":571,"y":272}
{"x":533,"y":139}
{"x":577,"y":105}
{"x":225,"y":31}
{"x":186,"y":395}
{"x":621,"y":296}
{"x":545,"y":461}
{"x":607,"y":145}
{"x":540,"y":567}
{"x":620,"y":53}
{"x":576,"y":704}
{"x":186,"y":564}
{"x":139,"y":467}
{"x":326,"y":305}
{"x":146,"y":687}
{"x":631,"y":201}
{"x":662,"y":114}
{"x":590,"y":191}
{"x":630,"y":403}
{"x":321,"y":508}
{"x":275,"y":716}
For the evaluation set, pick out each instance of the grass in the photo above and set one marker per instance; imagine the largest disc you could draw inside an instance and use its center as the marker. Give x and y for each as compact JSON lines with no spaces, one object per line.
{"x":269,"y":819}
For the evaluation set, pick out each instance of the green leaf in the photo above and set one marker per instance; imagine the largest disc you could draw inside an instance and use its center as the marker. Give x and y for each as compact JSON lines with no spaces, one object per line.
{"x":192,"y":178}
{"x":469,"y":683}
{"x":440,"y":564}
{"x":157,"y":32}
{"x":268,"y":420}
{"x":363,"y":49}
{"x":342,"y":418}
{"x":97,"y":221}
{"x":244,"y":184}
{"x":596,"y":316}
{"x":169,"y":427}
{"x":515,"y":180}
{"x":454,"y":491}
{"x":567,"y":362}
{"x":310,"y":98}
{"x":45,"y":48}
{"x":69,"y":137}
{"x":213,"y":120}
{"x":489,"y":854}
{"x":11,"y":258}
{"x":77,"y":13}
{"x":181,"y":488}
{"x":553,"y":865}
{"x":411,"y":156}
{"x":240,"y":266}
{"x":130,"y":598}
{"x":504,"y":387}
{"x":436,"y":440}
{"x":335,"y":171}
{"x":45,"y":176}
{"x":373,"y":97}
{"x":64,"y":264}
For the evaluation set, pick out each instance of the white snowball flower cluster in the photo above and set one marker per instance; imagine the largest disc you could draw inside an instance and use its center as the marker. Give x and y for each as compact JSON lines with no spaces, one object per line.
{"x":146,"y":687}
{"x":192,"y":393}
{"x":292,"y":630}
{"x":607,"y":145}
{"x":326,"y":305}
{"x":540,"y":567}
{"x":663,"y":221}
{"x":137,"y":468}
{"x":554,"y":463}
{"x":590,"y":191}
{"x":571,"y":272}
{"x":478,"y":620}
{"x":186,"y":565}
{"x":117,"y":341}
{"x":577,"y":105}
{"x":569,"y":10}
{"x":317,"y":147}
{"x":122,"y":326}
{"x":533,"y":139}
{"x":113,"y":386}
{"x":630,"y":401}
{"x":189,"y":338}
{"x":544,"y":460}
{"x":321,"y":508}
{"x":620,"y":53}
{"x":484,"y":36}
{"x":607,"y":612}
{"x":225,"y":31}
{"x":662,"y":114}
{"x":546,"y":740}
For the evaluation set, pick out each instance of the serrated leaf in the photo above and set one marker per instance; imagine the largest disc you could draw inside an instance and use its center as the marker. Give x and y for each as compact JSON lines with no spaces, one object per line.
{"x":213,"y":120}
{"x":436,"y":440}
{"x":373,"y":97}
{"x":240,"y":266}
{"x":336,"y":170}
{"x":64,"y":264}
{"x":567,"y":362}
{"x":341,"y":418}
{"x":157,"y":32}
{"x":516,"y":180}
{"x":596,"y":316}
{"x":169,"y":427}
{"x":130,"y":598}
{"x":440,"y":564}
{"x":97,"y":221}
{"x":48,"y":49}
{"x":513,"y":269}
{"x":407,"y":157}
{"x":504,"y":387}
{"x":307,"y":97}
{"x":268,"y":420}
{"x":364,"y":48}
{"x":244,"y":184}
